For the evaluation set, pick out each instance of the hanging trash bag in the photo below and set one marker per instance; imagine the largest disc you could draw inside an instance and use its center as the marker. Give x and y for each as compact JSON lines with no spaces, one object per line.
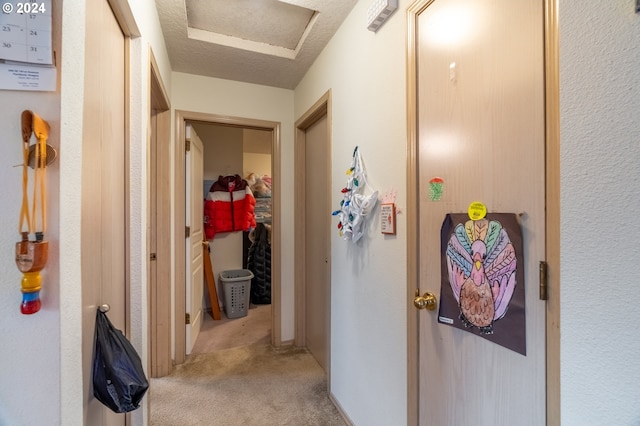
{"x":118,"y":378}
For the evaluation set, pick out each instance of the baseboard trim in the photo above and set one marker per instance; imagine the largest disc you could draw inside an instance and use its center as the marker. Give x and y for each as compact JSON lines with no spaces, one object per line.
{"x":343,"y":414}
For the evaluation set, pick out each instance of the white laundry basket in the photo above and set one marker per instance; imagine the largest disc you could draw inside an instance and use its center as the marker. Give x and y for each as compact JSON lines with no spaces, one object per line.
{"x":236,"y":288}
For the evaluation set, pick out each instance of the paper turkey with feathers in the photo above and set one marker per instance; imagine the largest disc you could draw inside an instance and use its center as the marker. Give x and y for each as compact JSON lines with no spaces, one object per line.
{"x":480,"y":267}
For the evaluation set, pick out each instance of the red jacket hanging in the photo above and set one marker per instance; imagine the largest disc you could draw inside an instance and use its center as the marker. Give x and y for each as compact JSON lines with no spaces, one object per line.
{"x":229,"y":206}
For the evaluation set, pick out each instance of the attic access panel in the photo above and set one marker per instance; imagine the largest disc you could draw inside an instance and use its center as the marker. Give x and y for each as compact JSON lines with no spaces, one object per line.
{"x":265,"y":21}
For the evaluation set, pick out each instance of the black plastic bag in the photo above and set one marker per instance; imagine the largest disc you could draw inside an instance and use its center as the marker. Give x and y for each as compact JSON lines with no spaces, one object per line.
{"x":118,"y":378}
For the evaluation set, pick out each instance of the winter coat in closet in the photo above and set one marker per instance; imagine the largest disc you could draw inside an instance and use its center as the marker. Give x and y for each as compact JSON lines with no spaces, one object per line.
{"x":229,"y":206}
{"x":259,"y":263}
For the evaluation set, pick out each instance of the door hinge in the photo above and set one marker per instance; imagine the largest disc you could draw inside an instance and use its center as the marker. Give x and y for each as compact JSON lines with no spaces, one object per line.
{"x":187,"y":231}
{"x":153,"y":256}
{"x":187,"y":145}
{"x":187,"y":318}
{"x":543,"y":280}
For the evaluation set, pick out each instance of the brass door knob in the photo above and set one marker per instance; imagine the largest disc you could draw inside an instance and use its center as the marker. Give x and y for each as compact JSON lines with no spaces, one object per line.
{"x":427,"y":301}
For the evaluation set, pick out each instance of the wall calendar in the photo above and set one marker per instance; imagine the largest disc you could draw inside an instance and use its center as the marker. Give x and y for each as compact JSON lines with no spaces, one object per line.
{"x":25,"y":32}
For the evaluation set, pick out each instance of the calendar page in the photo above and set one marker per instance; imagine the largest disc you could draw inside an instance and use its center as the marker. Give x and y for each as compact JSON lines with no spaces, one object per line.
{"x":25,"y":32}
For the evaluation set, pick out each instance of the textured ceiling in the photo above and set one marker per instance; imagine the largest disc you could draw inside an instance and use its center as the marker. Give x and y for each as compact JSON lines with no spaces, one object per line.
{"x":268,"y":42}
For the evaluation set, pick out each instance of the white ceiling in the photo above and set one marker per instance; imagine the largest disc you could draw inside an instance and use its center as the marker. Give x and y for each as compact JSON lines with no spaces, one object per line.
{"x":267,"y":42}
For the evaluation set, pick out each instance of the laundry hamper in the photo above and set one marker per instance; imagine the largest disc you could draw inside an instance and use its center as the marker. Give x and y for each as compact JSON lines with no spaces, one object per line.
{"x":236,"y":288}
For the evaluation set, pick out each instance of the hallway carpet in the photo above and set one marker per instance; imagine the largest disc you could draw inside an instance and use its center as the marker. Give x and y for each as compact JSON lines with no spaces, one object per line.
{"x":251,"y":385}
{"x":253,"y":329}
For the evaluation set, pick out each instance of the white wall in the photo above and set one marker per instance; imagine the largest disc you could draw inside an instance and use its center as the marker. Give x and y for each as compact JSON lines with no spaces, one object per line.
{"x":600,"y":201}
{"x":30,"y":349}
{"x":260,"y":164}
{"x":222,"y":150}
{"x":228,"y":98}
{"x":366,"y":74}
{"x":257,"y":152}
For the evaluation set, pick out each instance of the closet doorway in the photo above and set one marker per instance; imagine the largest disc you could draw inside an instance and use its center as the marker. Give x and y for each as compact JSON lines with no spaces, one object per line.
{"x":225,"y":139}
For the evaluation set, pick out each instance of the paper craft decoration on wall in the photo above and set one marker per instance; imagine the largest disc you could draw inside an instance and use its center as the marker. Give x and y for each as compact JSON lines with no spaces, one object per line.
{"x":482,"y":280}
{"x":357,"y":202}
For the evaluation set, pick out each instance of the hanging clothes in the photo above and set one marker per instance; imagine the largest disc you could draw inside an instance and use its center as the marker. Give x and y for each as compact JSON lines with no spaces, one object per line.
{"x":259,"y":263}
{"x":229,"y":206}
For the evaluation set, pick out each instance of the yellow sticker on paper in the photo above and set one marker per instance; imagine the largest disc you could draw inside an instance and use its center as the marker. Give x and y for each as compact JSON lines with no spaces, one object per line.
{"x":477,"y":210}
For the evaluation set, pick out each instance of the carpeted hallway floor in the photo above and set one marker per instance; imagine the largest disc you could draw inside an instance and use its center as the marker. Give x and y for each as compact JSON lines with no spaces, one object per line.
{"x":235,"y":377}
{"x":253,"y":329}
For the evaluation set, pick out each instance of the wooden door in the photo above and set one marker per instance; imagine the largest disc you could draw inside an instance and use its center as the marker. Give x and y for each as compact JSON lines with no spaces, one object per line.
{"x":104,"y":255}
{"x":317,"y":275}
{"x":480,"y":128}
{"x":194,"y":207}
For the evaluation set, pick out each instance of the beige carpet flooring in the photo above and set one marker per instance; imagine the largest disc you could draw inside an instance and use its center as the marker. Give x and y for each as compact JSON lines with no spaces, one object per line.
{"x":253,"y":329}
{"x":235,"y":377}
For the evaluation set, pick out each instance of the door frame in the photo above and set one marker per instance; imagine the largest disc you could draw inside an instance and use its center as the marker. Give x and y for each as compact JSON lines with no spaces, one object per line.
{"x":552,"y":199}
{"x":159,"y":240}
{"x":179,"y":220}
{"x":321,"y":108}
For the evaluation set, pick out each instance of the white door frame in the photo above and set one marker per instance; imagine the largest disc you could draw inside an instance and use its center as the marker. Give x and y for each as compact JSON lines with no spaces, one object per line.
{"x":552,"y":112}
{"x":179,"y":220}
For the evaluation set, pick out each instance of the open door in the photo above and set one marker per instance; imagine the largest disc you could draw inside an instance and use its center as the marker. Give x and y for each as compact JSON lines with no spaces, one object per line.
{"x":194,"y":260}
{"x":480,"y":129}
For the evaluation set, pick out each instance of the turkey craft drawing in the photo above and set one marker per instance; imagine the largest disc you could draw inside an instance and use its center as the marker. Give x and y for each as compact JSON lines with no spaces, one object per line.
{"x":480,"y":271}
